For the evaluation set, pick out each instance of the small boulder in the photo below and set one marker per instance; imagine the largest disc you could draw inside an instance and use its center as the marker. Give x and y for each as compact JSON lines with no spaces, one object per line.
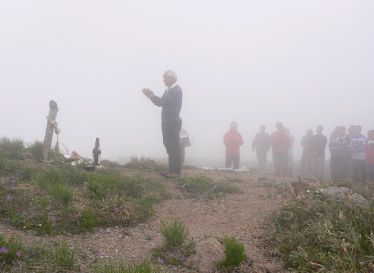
{"x":337,"y":193}
{"x":359,"y":199}
{"x":208,"y":253}
{"x":343,"y":194}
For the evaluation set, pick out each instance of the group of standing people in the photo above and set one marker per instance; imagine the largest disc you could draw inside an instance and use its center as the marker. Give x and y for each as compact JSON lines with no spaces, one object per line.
{"x":281,"y":143}
{"x":352,"y":154}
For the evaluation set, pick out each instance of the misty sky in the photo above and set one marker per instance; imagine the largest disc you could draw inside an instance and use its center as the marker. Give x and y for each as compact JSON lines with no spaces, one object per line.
{"x":301,"y":62}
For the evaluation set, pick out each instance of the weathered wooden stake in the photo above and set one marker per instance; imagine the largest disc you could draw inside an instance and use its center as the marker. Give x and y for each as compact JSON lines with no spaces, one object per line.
{"x":51,"y":127}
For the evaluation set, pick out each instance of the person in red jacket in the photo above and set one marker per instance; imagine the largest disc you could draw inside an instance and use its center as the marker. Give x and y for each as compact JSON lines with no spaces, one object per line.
{"x":233,"y":140}
{"x":369,"y":150}
{"x":281,"y":144}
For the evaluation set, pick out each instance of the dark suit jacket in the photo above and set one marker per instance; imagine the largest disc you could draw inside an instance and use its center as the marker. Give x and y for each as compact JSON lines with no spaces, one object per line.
{"x":171,"y":103}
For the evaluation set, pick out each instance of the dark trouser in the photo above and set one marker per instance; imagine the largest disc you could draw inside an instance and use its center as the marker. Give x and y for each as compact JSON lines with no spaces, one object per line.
{"x":280,"y":161}
{"x":306,"y":163}
{"x":261,"y":159}
{"x":359,"y":170}
{"x":170,"y":133}
{"x":232,"y":160}
{"x":371,"y":173}
{"x":318,"y":166}
{"x":339,"y":167}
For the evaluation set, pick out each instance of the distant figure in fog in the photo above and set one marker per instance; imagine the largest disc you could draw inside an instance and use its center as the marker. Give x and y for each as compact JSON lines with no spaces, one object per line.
{"x":350,"y":132}
{"x":261,"y":145}
{"x":184,"y":141}
{"x":340,"y":149}
{"x":290,"y":152}
{"x":369,"y":150}
{"x":318,"y":146}
{"x":281,"y":144}
{"x":358,"y":141}
{"x":233,"y":140}
{"x":306,"y":157}
{"x":171,"y":103}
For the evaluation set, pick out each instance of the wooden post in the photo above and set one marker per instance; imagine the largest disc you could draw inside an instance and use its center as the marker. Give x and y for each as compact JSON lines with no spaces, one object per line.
{"x":51,"y":127}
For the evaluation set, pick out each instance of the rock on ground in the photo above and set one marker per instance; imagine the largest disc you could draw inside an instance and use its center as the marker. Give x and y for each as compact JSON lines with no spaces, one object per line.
{"x":208,"y":253}
{"x":343,"y":193}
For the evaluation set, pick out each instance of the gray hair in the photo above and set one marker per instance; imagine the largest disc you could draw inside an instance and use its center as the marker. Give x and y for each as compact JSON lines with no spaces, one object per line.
{"x":171,"y":74}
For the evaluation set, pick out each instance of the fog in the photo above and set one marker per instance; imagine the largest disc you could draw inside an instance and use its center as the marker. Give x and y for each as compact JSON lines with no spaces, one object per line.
{"x":257,"y":62}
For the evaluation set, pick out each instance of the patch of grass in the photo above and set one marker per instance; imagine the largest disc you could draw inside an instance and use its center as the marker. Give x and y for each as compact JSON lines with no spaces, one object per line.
{"x":10,"y":252}
{"x":61,"y":193}
{"x":16,"y":169}
{"x":234,"y":254}
{"x":110,"y":164}
{"x":62,"y":256}
{"x":227,"y":188}
{"x":88,"y":220}
{"x":64,"y":174}
{"x":139,"y":188}
{"x":145,"y":164}
{"x":314,"y":233}
{"x":174,"y":233}
{"x":46,"y":259}
{"x":62,"y":199}
{"x":36,"y":150}
{"x":197,"y":184}
{"x":100,"y":184}
{"x":177,"y":245}
{"x":12,"y":148}
{"x":200,"y":186}
{"x":121,"y":267}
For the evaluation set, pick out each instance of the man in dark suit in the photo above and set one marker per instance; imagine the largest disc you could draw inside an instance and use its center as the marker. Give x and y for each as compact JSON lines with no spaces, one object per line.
{"x":171,"y":103}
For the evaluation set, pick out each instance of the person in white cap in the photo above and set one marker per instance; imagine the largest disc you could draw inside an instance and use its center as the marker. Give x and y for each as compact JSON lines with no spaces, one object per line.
{"x":171,"y":103}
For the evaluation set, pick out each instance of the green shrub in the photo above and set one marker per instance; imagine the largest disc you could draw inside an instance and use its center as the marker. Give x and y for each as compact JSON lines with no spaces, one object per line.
{"x":36,"y":150}
{"x":101,"y":184}
{"x":10,"y":251}
{"x":63,"y":256}
{"x":234,"y":254}
{"x":17,"y":169}
{"x":113,"y":267}
{"x":314,"y":233}
{"x":174,"y":234}
{"x":12,"y":148}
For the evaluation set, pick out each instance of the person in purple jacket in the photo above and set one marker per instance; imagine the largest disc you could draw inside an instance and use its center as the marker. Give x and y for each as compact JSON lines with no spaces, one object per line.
{"x":358,"y":155}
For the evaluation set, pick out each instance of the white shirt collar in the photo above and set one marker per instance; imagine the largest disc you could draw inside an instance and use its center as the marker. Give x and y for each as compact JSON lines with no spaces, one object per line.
{"x":174,"y":85}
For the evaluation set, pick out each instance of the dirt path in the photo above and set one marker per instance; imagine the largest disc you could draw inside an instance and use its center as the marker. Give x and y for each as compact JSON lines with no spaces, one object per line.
{"x":242,"y":215}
